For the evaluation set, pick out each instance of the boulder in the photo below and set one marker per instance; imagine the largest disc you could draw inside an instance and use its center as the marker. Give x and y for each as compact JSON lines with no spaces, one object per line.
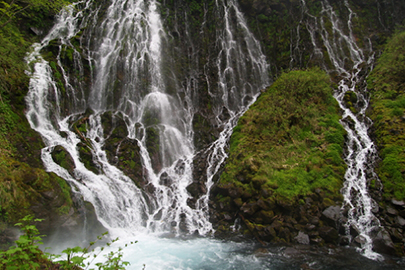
{"x":249,"y":208}
{"x":398,"y":203}
{"x":329,"y":234}
{"x":382,"y":243}
{"x":400,"y":221}
{"x":302,"y":238}
{"x":332,"y":213}
{"x":392,"y":211}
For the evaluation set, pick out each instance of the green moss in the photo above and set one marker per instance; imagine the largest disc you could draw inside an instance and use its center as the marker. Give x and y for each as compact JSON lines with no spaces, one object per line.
{"x":290,"y":141}
{"x":386,"y":84}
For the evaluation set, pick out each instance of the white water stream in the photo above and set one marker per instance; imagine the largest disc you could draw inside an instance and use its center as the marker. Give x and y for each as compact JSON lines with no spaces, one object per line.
{"x":348,"y":62}
{"x":123,"y":46}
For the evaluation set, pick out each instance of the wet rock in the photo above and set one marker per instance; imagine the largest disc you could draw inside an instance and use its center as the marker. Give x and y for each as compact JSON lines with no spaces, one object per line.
{"x":316,"y":240}
{"x":305,"y":266}
{"x":235,"y":192}
{"x":392,"y":211}
{"x":359,"y":240}
{"x":400,"y":221}
{"x":332,"y":213}
{"x":238,"y":202}
{"x":395,"y":234}
{"x":63,"y":158}
{"x":261,"y":252}
{"x":226,"y":204}
{"x":129,"y":160}
{"x":329,"y":234}
{"x":265,"y":192}
{"x":310,"y":227}
{"x":180,"y":167}
{"x":266,"y":216}
{"x":314,"y":220}
{"x":291,"y":252}
{"x":152,"y":145}
{"x":270,"y":232}
{"x":382,"y":243}
{"x":344,"y":240}
{"x":308,"y":201}
{"x":302,"y":238}
{"x":7,"y":236}
{"x":165,"y":179}
{"x":285,"y":234}
{"x":374,"y":206}
{"x":303,"y":220}
{"x":284,"y":203}
{"x":249,"y":208}
{"x":263,"y":205}
{"x":37,"y":31}
{"x":277,"y":225}
{"x":398,"y":203}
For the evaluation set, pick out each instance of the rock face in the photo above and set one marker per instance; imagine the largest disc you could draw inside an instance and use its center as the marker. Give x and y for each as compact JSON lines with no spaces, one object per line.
{"x":276,"y":219}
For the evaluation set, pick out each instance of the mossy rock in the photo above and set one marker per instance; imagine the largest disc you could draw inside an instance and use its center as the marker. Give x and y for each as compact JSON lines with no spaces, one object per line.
{"x":152,"y":145}
{"x":63,"y":158}
{"x":290,"y":141}
{"x":122,"y":151}
{"x":286,"y":151}
{"x":86,"y":156}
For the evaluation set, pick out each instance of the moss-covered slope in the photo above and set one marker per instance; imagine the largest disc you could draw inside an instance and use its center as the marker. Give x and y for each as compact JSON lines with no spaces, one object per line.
{"x":387,"y":85}
{"x":285,"y":163}
{"x":387,"y":104}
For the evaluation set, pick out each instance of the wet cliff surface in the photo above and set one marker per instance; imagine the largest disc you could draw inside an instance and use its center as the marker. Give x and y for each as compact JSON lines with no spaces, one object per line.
{"x":248,"y":187}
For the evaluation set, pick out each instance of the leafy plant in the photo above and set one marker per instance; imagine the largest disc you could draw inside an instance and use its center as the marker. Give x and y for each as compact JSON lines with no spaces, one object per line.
{"x":27,"y":255}
{"x":77,"y":256}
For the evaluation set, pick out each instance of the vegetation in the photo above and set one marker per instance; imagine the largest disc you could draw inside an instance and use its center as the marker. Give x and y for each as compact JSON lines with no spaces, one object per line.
{"x":27,"y":255}
{"x":18,"y":20}
{"x":386,"y":83}
{"x":22,"y":184}
{"x":290,"y":141}
{"x":23,"y":181}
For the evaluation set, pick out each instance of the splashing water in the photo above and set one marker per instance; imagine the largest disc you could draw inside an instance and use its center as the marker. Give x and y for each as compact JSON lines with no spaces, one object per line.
{"x":120,"y":68}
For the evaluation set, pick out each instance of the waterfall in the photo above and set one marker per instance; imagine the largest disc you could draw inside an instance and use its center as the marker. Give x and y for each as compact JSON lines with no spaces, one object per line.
{"x":349,"y":63}
{"x":115,"y":60}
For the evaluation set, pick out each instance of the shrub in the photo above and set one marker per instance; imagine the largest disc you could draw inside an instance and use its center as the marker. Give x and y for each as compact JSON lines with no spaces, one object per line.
{"x":27,"y":255}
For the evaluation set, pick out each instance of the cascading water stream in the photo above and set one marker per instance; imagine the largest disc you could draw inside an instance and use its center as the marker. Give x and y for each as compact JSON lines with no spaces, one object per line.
{"x":237,"y":92}
{"x":119,"y":70}
{"x":350,"y":64}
